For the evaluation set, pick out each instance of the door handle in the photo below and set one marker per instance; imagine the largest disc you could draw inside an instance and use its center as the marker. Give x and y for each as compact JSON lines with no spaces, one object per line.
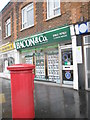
{"x":67,"y":67}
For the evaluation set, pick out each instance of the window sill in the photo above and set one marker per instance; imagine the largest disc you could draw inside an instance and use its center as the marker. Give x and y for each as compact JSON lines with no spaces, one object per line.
{"x":52,"y":17}
{"x":27,"y":28}
{"x":7,"y":37}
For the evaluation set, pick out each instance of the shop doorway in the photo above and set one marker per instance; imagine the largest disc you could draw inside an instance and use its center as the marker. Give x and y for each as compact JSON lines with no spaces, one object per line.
{"x":87,"y":66}
{"x":66,"y":65}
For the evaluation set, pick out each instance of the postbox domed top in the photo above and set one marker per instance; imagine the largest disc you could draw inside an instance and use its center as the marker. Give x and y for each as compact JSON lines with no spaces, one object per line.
{"x":18,"y":67}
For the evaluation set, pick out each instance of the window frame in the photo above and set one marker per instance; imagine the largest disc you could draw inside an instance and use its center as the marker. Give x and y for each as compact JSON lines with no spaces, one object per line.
{"x":53,"y":10}
{"x":8,"y":21}
{"x":26,"y":10}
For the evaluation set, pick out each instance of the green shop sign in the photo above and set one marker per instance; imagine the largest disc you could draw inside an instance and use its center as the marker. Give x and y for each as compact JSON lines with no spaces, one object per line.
{"x":48,"y":37}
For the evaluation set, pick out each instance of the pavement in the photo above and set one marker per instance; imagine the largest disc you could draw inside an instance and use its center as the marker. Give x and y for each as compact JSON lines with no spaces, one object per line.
{"x":50,"y":101}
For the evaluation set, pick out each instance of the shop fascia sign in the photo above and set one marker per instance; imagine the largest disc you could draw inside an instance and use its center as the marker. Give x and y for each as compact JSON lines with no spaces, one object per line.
{"x":48,"y":37}
{"x":7,"y":47}
{"x":82,"y":28}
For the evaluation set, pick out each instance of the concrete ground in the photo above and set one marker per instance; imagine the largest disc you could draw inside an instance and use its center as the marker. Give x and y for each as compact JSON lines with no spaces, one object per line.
{"x":50,"y":101}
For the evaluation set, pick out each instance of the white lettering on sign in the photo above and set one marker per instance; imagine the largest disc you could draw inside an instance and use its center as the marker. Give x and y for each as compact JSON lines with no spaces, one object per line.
{"x":60,"y":35}
{"x":31,"y":42}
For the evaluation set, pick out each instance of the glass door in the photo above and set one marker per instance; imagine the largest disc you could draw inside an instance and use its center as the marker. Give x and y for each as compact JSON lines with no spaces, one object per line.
{"x":87,"y":66}
{"x":67,"y":65}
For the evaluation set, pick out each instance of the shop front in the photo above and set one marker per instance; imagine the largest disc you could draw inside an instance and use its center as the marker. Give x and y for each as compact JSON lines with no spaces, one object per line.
{"x":7,"y":58}
{"x":51,"y":52}
{"x":87,"y":60}
{"x":82,"y":31}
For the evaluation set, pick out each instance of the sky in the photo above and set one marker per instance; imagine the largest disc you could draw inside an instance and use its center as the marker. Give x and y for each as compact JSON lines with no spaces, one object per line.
{"x":3,"y":3}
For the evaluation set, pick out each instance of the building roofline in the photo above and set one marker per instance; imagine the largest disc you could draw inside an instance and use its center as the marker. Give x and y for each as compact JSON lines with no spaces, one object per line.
{"x":6,"y":6}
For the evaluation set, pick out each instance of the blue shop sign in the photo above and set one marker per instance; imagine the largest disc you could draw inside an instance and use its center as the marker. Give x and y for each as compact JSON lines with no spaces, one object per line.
{"x":82,"y":28}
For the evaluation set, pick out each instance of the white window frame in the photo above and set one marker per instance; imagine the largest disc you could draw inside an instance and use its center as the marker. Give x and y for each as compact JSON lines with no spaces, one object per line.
{"x":31,"y":6}
{"x":6,"y":26}
{"x":53,"y":10}
{"x":86,"y":71}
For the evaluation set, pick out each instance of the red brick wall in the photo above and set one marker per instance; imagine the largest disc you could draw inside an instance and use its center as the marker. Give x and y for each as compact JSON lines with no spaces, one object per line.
{"x":89,"y":10}
{"x":8,"y":12}
{"x":71,"y":13}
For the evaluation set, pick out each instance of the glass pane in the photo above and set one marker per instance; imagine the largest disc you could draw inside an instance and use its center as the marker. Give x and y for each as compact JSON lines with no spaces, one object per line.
{"x":6,"y":30}
{"x":30,"y":6}
{"x":23,"y":17}
{"x":9,"y":29}
{"x":30,"y":17}
{"x":56,"y":3}
{"x":67,"y":77}
{"x":24,"y":25}
{"x":57,"y":12}
{"x":88,"y":58}
{"x":67,"y":57}
{"x":89,"y":80}
{"x":50,"y":8}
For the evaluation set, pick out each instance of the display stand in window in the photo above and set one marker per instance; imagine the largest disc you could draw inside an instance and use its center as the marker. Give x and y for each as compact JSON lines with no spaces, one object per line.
{"x":40,"y":66}
{"x":29,"y":59}
{"x":53,"y":67}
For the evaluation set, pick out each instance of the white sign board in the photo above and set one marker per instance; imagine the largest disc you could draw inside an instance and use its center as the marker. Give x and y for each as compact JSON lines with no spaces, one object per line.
{"x":79,"y":54}
{"x":82,"y":28}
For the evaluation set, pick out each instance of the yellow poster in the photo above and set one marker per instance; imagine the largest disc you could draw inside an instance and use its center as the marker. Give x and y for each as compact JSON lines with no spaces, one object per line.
{"x":7,"y":47}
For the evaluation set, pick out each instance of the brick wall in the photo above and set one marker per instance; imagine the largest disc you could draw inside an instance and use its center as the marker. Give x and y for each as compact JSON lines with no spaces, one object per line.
{"x":89,"y":10}
{"x":8,"y":12}
{"x":71,"y":13}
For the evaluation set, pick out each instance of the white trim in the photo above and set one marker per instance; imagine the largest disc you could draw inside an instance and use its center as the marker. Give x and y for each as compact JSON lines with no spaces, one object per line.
{"x":0,"y":27}
{"x":7,"y":37}
{"x":75,"y":67}
{"x":86,"y":83}
{"x":84,"y":40}
{"x":48,"y":18}
{"x":62,"y":66}
{"x":72,"y":31}
{"x":53,"y":17}
{"x":22,"y":16}
{"x":26,"y":10}
{"x":8,"y":21}
{"x":86,"y":76}
{"x":66,"y":67}
{"x":66,"y":46}
{"x":27,"y":27}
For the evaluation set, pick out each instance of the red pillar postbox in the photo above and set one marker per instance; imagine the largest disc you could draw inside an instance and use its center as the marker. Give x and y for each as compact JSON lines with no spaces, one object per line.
{"x":22,"y":81}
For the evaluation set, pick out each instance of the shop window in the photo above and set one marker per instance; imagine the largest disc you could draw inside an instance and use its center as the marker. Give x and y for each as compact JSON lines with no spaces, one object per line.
{"x":53,"y":8}
{"x":40,"y":66}
{"x":11,"y":61}
{"x":28,"y":16}
{"x":8,"y":27}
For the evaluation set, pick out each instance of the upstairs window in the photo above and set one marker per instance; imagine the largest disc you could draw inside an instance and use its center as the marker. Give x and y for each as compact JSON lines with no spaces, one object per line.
{"x":27,"y":16}
{"x":53,"y":8}
{"x":8,"y":27}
